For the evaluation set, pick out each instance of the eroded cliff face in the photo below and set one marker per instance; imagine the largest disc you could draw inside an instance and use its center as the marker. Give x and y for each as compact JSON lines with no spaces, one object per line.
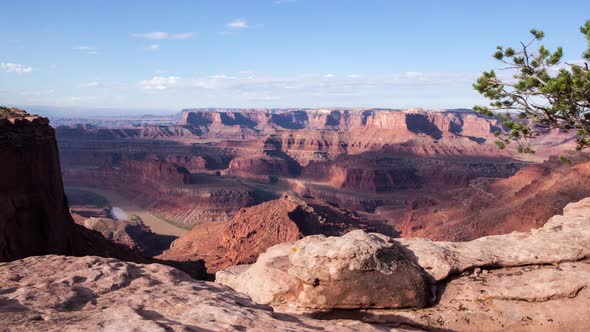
{"x":34,"y":214}
{"x":34,"y":217}
{"x":491,"y":206}
{"x":168,"y":190}
{"x":402,"y":122}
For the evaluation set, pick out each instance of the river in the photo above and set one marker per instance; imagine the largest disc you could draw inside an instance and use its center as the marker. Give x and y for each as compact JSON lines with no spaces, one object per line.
{"x":158,"y":225}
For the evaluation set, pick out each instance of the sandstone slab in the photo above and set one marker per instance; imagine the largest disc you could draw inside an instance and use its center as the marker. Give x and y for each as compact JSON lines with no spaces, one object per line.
{"x":61,"y":293}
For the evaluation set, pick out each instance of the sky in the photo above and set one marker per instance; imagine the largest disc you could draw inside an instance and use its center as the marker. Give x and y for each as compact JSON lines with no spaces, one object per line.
{"x":167,"y":55}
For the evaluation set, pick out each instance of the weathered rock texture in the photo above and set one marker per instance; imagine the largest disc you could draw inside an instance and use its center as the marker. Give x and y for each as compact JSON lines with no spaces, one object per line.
{"x":518,"y":281}
{"x":60,"y":293}
{"x":318,"y":273}
{"x":257,"y":228}
{"x":34,"y":215}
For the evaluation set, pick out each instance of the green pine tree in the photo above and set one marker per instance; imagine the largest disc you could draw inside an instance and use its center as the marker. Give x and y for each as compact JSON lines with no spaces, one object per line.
{"x":544,"y":90}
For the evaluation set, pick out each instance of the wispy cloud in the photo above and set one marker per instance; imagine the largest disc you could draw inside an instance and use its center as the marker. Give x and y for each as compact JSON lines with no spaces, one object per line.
{"x":328,"y":84}
{"x":153,"y":47}
{"x":159,"y":83}
{"x":87,"y":49}
{"x":237,"y":24}
{"x":16,"y":68}
{"x":93,"y":84}
{"x":280,"y":2}
{"x":159,"y":35}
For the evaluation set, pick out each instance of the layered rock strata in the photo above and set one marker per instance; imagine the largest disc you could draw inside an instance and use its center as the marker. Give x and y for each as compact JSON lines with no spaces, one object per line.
{"x":34,"y":214}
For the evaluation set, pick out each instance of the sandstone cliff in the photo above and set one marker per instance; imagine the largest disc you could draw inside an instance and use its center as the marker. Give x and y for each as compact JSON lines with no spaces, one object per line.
{"x":34,"y":215}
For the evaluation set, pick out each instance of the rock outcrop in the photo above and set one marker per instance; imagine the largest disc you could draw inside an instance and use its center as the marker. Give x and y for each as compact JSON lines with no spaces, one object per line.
{"x":318,"y":273}
{"x":34,"y":214}
{"x":60,"y":293}
{"x":255,"y":229}
{"x":518,"y":281}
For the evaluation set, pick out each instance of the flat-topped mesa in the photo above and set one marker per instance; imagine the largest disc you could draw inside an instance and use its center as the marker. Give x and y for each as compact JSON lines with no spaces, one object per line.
{"x":407,"y":122}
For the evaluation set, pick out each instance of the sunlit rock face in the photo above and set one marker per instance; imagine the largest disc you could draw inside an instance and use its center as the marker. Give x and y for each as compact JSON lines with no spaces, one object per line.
{"x":519,"y":281}
{"x":61,"y":293}
{"x":255,"y":229}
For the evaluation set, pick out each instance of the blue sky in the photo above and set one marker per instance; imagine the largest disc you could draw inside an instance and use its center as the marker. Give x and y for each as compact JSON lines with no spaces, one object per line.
{"x":168,"y":55}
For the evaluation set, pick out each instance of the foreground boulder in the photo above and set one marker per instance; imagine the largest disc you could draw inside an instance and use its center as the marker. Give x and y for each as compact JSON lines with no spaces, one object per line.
{"x":528,"y":298}
{"x":318,"y":273}
{"x":61,"y":293}
{"x":535,"y":281}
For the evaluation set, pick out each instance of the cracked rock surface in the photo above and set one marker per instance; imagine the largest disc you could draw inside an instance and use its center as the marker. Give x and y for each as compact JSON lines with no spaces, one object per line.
{"x":62,"y":293}
{"x":519,"y":281}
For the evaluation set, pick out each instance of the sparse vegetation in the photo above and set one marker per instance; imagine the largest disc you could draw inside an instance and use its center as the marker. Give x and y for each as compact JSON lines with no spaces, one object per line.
{"x":544,"y":93}
{"x":9,"y":112}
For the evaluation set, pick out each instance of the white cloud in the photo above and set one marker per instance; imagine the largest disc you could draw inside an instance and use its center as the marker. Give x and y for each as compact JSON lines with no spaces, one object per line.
{"x":328,"y":84}
{"x":237,"y":24}
{"x":160,"y":83}
{"x":93,"y":84}
{"x":153,"y":47}
{"x":159,"y":35}
{"x":17,"y":68}
{"x":280,"y":2}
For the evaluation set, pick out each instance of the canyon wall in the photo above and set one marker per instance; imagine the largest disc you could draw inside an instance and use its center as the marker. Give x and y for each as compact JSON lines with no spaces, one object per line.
{"x":34,"y":214}
{"x":167,"y":190}
{"x":382,"y":163}
{"x":34,"y":217}
{"x":491,"y":206}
